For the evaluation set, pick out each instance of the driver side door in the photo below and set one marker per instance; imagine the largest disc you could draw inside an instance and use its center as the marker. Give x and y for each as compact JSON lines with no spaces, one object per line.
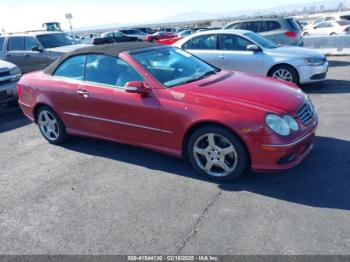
{"x":108,"y":111}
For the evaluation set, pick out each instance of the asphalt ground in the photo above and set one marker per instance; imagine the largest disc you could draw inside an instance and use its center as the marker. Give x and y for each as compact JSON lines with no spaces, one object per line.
{"x":95,"y":197}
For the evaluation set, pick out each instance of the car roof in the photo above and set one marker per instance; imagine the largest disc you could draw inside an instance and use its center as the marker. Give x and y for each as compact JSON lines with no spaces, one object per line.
{"x":33,"y":33}
{"x":261,"y":19}
{"x":107,"y":49}
{"x":220,"y":31}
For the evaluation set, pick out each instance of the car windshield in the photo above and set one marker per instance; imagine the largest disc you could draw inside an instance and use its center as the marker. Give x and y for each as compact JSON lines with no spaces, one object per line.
{"x":55,"y":40}
{"x":172,"y":66}
{"x":262,"y":41}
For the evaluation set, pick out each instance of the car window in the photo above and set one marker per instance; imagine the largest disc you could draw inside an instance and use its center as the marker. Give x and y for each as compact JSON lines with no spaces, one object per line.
{"x":251,"y":26}
{"x":272,"y":25}
{"x":340,"y":22}
{"x":16,"y":43}
{"x":263,"y":27}
{"x":73,"y":68}
{"x":324,"y":25}
{"x":203,"y":42}
{"x":233,"y":42}
{"x":109,"y":70}
{"x":30,"y":42}
{"x":234,"y":26}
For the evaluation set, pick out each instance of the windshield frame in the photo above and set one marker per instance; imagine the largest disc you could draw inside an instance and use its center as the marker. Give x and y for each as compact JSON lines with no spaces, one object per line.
{"x":145,"y":50}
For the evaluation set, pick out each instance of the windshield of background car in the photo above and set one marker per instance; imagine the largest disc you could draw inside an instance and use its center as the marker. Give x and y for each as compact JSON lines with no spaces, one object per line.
{"x":172,"y":66}
{"x":55,"y":40}
{"x":260,"y":40}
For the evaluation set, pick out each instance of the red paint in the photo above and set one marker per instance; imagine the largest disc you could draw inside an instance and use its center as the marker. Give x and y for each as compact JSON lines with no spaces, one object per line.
{"x":161,"y":120}
{"x":169,"y":41}
{"x":157,"y":36}
{"x":291,"y":34}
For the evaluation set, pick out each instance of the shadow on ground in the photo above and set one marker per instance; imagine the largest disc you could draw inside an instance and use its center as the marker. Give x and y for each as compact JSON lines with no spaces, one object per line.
{"x":12,"y":118}
{"x":330,"y":86}
{"x":322,"y":180}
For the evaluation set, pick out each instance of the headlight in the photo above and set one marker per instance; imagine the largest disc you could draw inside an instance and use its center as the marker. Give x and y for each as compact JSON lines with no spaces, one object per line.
{"x":314,"y":61}
{"x":277,"y":124}
{"x":15,"y":71}
{"x":291,"y":122}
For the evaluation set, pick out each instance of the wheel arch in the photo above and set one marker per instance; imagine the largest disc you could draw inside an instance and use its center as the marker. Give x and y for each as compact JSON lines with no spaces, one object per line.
{"x":206,"y":123}
{"x":284,"y":64}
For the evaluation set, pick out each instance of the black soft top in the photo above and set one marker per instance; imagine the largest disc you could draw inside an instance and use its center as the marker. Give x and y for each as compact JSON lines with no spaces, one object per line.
{"x":107,"y":49}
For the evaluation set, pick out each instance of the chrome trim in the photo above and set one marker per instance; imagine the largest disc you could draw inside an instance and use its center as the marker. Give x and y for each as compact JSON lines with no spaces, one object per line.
{"x":290,"y":144}
{"x":24,"y":104}
{"x":119,"y":122}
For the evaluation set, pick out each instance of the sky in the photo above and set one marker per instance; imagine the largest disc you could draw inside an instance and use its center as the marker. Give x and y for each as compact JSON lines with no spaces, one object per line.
{"x":21,"y":15}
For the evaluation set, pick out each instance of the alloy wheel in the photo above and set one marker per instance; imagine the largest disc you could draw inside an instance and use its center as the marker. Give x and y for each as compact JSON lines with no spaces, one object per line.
{"x":283,"y":74}
{"x":48,"y":124}
{"x":215,"y":155}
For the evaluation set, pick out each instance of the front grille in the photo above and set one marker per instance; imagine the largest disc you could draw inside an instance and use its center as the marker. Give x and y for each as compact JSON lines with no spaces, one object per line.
{"x":306,"y":112}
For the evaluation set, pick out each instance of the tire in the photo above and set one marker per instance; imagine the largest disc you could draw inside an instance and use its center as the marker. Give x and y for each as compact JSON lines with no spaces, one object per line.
{"x":333,"y":34}
{"x":235,"y":157}
{"x":290,"y":73}
{"x":306,"y":35}
{"x":51,"y":126}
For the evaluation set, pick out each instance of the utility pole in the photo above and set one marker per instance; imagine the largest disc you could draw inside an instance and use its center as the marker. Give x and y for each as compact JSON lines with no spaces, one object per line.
{"x":69,"y":16}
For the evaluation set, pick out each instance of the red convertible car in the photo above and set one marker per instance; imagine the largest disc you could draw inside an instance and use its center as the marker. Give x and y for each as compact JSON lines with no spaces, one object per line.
{"x":158,"y":36}
{"x":165,"y":99}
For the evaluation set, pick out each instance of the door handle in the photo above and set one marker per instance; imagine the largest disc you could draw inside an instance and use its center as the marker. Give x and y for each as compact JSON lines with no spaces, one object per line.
{"x":83,"y":93}
{"x":26,"y":55}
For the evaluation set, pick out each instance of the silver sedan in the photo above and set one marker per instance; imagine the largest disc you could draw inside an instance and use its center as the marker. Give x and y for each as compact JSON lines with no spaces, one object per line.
{"x":247,"y":51}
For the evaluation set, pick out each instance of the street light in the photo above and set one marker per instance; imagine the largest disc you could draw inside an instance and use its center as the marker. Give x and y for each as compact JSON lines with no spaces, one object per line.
{"x":69,"y":16}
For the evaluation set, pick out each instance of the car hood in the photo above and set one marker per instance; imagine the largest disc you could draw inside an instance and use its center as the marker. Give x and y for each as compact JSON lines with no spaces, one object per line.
{"x":5,"y":66}
{"x":245,"y":89}
{"x":66,"y":48}
{"x":295,"y":52}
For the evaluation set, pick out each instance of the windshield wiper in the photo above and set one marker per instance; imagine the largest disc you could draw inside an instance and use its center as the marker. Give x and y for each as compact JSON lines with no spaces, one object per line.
{"x":206,"y":74}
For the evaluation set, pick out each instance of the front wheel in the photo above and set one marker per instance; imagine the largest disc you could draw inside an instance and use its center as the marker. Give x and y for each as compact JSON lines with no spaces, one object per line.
{"x":51,"y":126}
{"x":216,"y":153}
{"x":286,"y":73}
{"x":333,"y":34}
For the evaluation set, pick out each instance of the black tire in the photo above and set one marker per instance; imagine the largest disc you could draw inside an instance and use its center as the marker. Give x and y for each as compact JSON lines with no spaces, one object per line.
{"x":333,"y":34}
{"x":306,"y":35}
{"x":293,"y":72}
{"x":59,"y":128}
{"x":239,"y":147}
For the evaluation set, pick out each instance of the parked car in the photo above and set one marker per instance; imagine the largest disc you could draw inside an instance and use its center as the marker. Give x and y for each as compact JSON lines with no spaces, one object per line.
{"x":35,"y":50}
{"x":282,"y":31}
{"x":173,"y":39}
{"x":247,"y":51}
{"x":165,"y":99}
{"x":113,"y":37}
{"x":9,"y":76}
{"x":328,"y":28}
{"x":158,"y":36}
{"x":88,"y":38}
{"x":134,"y":33}
{"x":146,"y":30}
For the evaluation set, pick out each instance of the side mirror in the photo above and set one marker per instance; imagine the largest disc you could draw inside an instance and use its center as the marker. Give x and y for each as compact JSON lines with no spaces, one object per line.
{"x":136,"y":87}
{"x":253,"y":48}
{"x":37,"y":49}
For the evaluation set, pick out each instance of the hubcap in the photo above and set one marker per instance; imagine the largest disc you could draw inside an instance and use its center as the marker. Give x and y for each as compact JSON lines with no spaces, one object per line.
{"x":215,"y":155}
{"x":283,"y":74}
{"x":48,"y":125}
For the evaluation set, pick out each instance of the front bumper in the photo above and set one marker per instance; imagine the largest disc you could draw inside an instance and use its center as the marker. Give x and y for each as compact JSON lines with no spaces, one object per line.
{"x":267,"y":156}
{"x":310,"y":74}
{"x":8,"y":92}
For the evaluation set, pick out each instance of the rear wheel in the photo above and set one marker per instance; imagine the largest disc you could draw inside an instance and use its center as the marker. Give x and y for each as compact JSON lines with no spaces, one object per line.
{"x":51,"y":126}
{"x":306,"y":35}
{"x":286,"y":73}
{"x":216,"y":153}
{"x":333,"y":34}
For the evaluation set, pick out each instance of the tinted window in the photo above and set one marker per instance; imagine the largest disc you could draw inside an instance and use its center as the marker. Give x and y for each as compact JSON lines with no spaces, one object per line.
{"x":72,"y":68}
{"x":251,"y":26}
{"x":204,"y":42}
{"x":109,"y":70}
{"x":294,"y":24}
{"x":263,"y":27}
{"x":260,"y":40}
{"x":30,"y":42}
{"x":16,"y":43}
{"x":55,"y":40}
{"x":233,"y":42}
{"x":272,"y":25}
